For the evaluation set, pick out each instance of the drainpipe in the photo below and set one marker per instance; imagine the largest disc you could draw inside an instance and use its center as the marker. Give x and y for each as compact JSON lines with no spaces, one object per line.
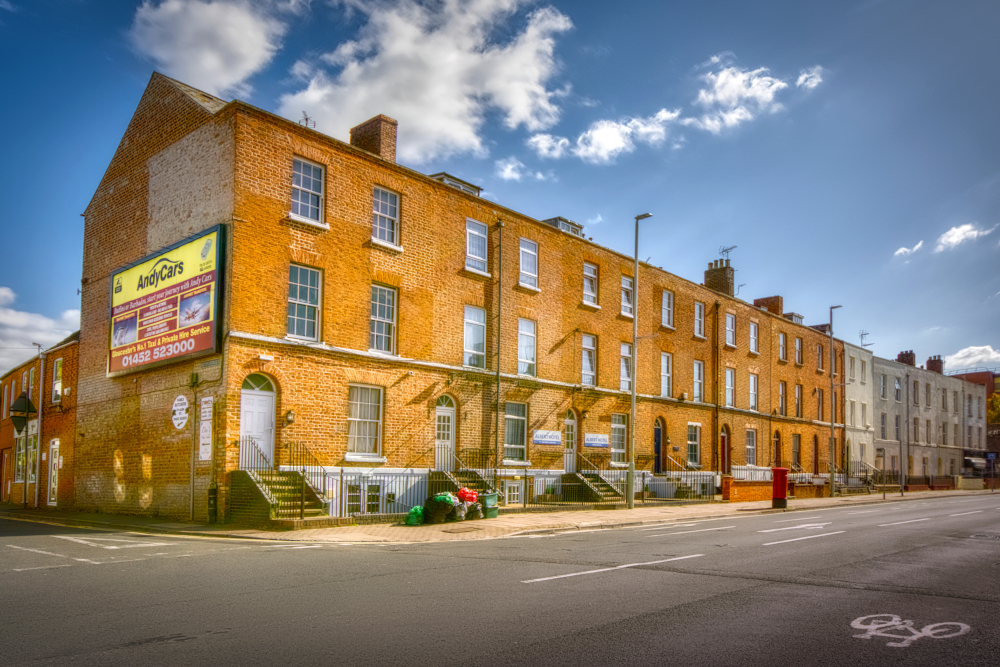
{"x":38,"y":443}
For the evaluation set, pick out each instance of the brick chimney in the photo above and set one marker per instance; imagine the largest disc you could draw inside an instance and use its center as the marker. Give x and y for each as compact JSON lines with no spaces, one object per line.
{"x":376,"y":135}
{"x":720,"y":277}
{"x":936,"y":364}
{"x":772,"y":304}
{"x":907,"y":357}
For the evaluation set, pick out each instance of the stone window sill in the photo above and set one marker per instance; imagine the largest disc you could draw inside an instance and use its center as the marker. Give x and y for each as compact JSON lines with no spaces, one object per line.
{"x":306,"y":221}
{"x":386,"y":245}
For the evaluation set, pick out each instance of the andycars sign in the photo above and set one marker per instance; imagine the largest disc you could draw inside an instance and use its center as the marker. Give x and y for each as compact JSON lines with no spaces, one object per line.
{"x":164,"y":307}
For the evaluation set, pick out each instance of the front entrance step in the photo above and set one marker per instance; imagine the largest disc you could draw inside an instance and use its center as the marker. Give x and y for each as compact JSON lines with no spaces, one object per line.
{"x":260,"y":497}
{"x":445,"y":480}
{"x":590,"y":486}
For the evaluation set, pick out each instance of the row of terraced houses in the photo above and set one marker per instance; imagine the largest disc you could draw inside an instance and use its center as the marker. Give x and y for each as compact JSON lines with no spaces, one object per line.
{"x":258,"y":296}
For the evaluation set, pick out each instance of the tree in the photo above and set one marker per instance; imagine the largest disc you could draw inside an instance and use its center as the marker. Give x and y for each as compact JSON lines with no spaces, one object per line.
{"x":993,"y":409}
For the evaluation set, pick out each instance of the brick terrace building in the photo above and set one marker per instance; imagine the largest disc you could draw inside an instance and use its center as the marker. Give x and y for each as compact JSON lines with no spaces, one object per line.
{"x":32,"y":459}
{"x":370,"y":312}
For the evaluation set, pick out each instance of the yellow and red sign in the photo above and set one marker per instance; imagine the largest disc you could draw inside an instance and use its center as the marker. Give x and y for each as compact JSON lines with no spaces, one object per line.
{"x":164,"y":308}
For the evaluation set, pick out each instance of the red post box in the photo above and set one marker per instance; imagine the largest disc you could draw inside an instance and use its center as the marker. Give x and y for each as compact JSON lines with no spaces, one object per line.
{"x":779,"y":488}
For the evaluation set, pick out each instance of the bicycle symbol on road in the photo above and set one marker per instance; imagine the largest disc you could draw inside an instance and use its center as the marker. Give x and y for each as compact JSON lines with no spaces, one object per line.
{"x":893,"y":627}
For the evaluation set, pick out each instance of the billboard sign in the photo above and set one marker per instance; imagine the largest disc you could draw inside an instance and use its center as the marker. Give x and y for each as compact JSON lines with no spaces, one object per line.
{"x":165,"y":307}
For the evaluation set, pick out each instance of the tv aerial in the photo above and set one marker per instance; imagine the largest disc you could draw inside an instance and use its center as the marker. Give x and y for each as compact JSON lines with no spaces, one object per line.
{"x":307,"y":121}
{"x":724,"y":251}
{"x":864,"y":334}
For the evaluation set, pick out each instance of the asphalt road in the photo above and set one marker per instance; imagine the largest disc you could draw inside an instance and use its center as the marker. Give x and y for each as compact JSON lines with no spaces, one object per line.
{"x":909,"y":583}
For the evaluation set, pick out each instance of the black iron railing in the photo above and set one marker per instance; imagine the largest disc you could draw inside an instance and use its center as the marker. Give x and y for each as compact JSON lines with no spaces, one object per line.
{"x":301,"y":460}
{"x":251,"y":456}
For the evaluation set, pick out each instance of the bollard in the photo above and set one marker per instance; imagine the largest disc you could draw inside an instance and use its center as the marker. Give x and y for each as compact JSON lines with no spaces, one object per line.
{"x":779,"y":488}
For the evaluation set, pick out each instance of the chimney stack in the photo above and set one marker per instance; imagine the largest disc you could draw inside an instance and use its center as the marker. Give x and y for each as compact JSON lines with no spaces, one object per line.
{"x":936,"y":364}
{"x":907,"y":357}
{"x":772,"y":304}
{"x":376,"y":135}
{"x":720,"y":277}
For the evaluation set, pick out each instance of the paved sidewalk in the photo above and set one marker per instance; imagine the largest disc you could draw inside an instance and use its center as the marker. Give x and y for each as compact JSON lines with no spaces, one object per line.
{"x":507,"y":525}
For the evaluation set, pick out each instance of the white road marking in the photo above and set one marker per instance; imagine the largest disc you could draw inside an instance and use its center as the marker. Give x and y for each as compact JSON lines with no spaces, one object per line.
{"x":965,"y":513}
{"x":43,"y":567}
{"x":801,"y":518}
{"x":37,"y":551}
{"x":129,"y":543}
{"x":610,"y":569}
{"x":685,"y":532}
{"x":808,"y":526}
{"x":668,"y":525}
{"x":898,"y":523}
{"x":894,"y":627}
{"x":865,"y":512}
{"x":807,"y":537}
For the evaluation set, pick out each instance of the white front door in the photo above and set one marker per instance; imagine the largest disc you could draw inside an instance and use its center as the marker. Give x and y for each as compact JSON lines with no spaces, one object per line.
{"x":444,"y":439}
{"x":53,"y":472}
{"x":257,"y":420}
{"x":569,"y":453}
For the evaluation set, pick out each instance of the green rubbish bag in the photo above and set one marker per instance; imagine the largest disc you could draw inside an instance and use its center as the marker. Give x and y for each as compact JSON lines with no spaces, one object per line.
{"x":415,"y":517}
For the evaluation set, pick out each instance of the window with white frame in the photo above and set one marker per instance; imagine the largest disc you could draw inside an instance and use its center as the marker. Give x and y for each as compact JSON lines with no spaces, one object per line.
{"x":385,"y":216}
{"x":699,"y":319}
{"x":590,"y":283}
{"x":364,"y":419}
{"x":979,"y":407}
{"x":382,"y":327}
{"x":798,"y":350}
{"x":883,"y":383}
{"x":31,"y":384}
{"x":57,"y":367}
{"x":619,"y":436}
{"x":303,"y":302}
{"x":783,"y":347}
{"x":864,"y":371}
{"x":916,"y":392}
{"x":307,"y":190}
{"x":853,"y":406}
{"x":694,"y":444}
{"x":944,"y":434}
{"x":628,"y":306}
{"x":475,"y":246}
{"x":929,"y":430}
{"x":944,"y":399}
{"x":19,"y":459}
{"x":589,"y":362}
{"x":819,"y":357}
{"x":882,"y":430}
{"x":852,"y":367}
{"x":864,"y":415}
{"x":731,"y":329}
{"x":754,"y":338}
{"x":916,"y":429}
{"x":515,"y":431}
{"x":529,"y":264}
{"x":751,"y":447}
{"x":797,"y":449}
{"x":526,"y":347}
{"x":3,"y":410}
{"x":698,"y":385}
{"x":666,"y":374}
{"x":730,"y":387}
{"x":753,"y":391}
{"x":955,"y":404}
{"x":667,"y":312}
{"x":782,"y":406}
{"x":955,"y":442}
{"x":898,"y":430}
{"x":475,"y":337}
{"x":897,"y":390}
{"x":626,"y":374}
{"x":798,"y":400}
{"x":819,"y":404}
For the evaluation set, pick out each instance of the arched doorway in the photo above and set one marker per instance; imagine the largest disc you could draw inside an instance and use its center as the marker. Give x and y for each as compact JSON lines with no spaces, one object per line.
{"x":444,"y":434}
{"x":777,"y":449}
{"x":724,"y":450}
{"x":815,"y":455}
{"x":658,"y":447}
{"x":569,"y":442}
{"x":257,"y":418}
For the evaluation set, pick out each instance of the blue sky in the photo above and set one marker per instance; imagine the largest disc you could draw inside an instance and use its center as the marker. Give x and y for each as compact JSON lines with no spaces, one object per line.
{"x":850,"y":150}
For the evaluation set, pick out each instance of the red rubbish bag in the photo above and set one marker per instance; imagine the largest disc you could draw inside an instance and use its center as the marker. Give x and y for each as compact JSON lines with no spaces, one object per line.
{"x":467,"y":495}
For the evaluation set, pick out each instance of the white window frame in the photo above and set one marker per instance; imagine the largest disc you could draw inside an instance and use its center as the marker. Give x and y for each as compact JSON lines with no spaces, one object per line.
{"x":3,"y":411}
{"x":819,"y":356}
{"x":667,"y":309}
{"x":385,"y":216}
{"x":864,"y":415}
{"x":627,"y":364}
{"x":798,"y":401}
{"x":783,"y":347}
{"x":588,"y":343}
{"x":884,"y":386}
{"x":382,"y":322}
{"x":852,"y":367}
{"x":314,"y":199}
{"x":591,"y":283}
{"x":694,"y":444}
{"x":864,"y":372}
{"x":57,"y":367}
{"x":666,"y":374}
{"x":619,"y":436}
{"x":751,"y":447}
{"x":730,"y":387}
{"x":731,"y":329}
{"x":698,"y":382}
{"x":753,"y":391}
{"x":755,"y":338}
{"x":699,"y":319}
{"x":527,"y":346}
{"x":470,"y":325}
{"x":819,"y":404}
{"x":899,"y":430}
{"x":510,"y":445}
{"x":354,"y":434}
{"x":309,"y":307}
{"x":782,"y":398}
{"x":628,"y":296}
{"x":20,"y":457}
{"x":528,"y":251}
{"x":897,"y":392}
{"x":884,"y":426}
{"x":853,"y":409}
{"x":476,"y":230}
{"x":798,"y":350}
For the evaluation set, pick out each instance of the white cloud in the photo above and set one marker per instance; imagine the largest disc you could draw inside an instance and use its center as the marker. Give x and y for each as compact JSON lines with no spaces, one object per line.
{"x":734,"y":96}
{"x":596,"y":220}
{"x":604,"y":140}
{"x":6,"y":4}
{"x":213,"y":45}
{"x":960,"y":234}
{"x":19,"y":329}
{"x":972,"y":357}
{"x":810,"y":78}
{"x":548,"y":146}
{"x":904,"y":251}
{"x":439,"y":69}
{"x":512,"y":169}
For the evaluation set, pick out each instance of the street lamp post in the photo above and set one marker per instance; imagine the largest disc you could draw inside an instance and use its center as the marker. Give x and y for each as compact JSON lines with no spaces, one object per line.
{"x":630,"y":477}
{"x":833,"y":410}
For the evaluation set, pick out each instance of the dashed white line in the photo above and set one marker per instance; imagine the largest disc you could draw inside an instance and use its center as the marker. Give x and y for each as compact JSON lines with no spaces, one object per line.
{"x":807,"y":537}
{"x":808,"y":526}
{"x":43,"y":567}
{"x":610,"y":569}
{"x":965,"y":513}
{"x":898,"y":523}
{"x":801,"y":518}
{"x":865,"y":512}
{"x":685,"y":532}
{"x":663,"y":526}
{"x":37,"y":551}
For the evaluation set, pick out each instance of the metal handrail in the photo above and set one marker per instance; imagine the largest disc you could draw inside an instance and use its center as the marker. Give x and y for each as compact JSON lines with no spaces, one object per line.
{"x":680,"y":468}
{"x":301,"y":458}
{"x":251,"y":457}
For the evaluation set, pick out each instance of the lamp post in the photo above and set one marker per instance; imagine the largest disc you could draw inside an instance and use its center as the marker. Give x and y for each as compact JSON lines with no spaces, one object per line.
{"x":21,"y":411}
{"x":630,"y":477}
{"x":833,"y":409}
